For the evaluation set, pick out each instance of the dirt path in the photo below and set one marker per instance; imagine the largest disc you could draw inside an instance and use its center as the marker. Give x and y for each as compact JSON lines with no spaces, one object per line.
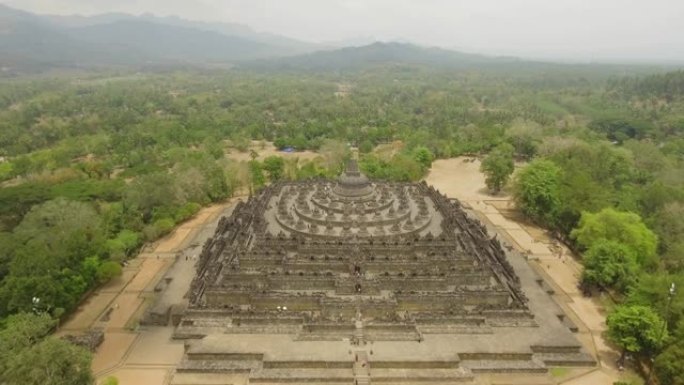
{"x":460,"y":178}
{"x":135,"y":355}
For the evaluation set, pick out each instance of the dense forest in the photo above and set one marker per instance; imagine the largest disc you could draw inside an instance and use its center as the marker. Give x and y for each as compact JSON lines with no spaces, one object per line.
{"x":94,"y":165}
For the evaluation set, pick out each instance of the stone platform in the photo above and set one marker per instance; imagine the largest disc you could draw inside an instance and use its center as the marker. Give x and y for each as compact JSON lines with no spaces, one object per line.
{"x":353,"y":281}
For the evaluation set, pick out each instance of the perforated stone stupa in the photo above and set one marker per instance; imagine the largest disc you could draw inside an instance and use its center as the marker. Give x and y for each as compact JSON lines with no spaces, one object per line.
{"x":356,"y":280}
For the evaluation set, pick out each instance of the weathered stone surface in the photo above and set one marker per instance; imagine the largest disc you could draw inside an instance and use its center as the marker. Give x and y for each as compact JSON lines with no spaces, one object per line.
{"x":89,"y":340}
{"x":356,"y":262}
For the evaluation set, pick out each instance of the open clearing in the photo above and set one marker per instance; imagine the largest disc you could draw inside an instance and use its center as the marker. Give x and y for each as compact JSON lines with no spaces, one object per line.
{"x":265,"y":149}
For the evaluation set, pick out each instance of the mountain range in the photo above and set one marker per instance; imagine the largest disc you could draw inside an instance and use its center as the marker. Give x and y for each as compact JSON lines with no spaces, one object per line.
{"x":31,"y":43}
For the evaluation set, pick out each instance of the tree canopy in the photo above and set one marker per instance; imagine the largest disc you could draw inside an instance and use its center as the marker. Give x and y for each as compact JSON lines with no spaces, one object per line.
{"x":610,"y":264}
{"x":133,"y":154}
{"x":537,"y":190}
{"x":498,"y":166}
{"x":636,"y":329}
{"x":624,"y":227}
{"x":27,"y":356}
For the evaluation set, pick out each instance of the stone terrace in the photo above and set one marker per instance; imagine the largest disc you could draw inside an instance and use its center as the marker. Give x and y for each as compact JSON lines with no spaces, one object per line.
{"x":358,"y":281}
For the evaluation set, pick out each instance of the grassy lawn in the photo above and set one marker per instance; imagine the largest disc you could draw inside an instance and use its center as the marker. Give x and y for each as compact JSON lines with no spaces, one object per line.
{"x":559,"y":372}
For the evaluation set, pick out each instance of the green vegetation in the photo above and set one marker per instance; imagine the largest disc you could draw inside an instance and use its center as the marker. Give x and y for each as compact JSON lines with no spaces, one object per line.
{"x":614,"y":190}
{"x":93,"y":166}
{"x":610,"y":264}
{"x":537,"y":191}
{"x":668,"y":365}
{"x":28,"y":357}
{"x":635,"y":329}
{"x":498,"y":166}
{"x":111,"y":380}
{"x":623,"y":229}
{"x":559,"y":372}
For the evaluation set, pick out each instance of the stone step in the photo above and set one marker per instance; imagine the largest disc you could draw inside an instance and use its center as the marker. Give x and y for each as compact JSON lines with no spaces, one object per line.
{"x":429,"y":375}
{"x":312,"y":382}
{"x":345,"y":376}
{"x":431,"y":382}
{"x":511,"y":322}
{"x":504,"y":366}
{"x":213,"y":366}
{"x":209,"y":379}
{"x":321,"y":337}
{"x":297,"y":364}
{"x":453,"y":329}
{"x":264,"y":329}
{"x":359,"y":336}
{"x":566,"y":359}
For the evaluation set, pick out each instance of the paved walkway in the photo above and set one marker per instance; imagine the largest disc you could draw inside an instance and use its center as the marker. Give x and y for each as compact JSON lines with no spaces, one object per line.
{"x":137,"y":355}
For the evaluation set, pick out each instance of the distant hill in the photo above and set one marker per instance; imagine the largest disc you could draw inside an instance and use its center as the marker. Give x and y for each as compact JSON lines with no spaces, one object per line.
{"x":30,"y":42}
{"x":380,"y":53}
{"x":406,"y":54}
{"x":160,"y":42}
{"x":228,"y":29}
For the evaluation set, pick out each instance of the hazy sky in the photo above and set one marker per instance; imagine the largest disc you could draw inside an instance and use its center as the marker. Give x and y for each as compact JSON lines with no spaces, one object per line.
{"x":582,"y":30}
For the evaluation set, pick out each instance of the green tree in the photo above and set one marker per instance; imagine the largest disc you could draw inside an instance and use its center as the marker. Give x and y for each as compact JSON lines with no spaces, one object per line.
{"x":108,"y":270}
{"x":610,"y":264}
{"x":669,"y":224}
{"x":7,"y":246}
{"x":256,"y":175}
{"x":50,"y":362}
{"x":28,"y":356}
{"x":55,"y":223}
{"x":123,"y":244}
{"x":150,"y":192}
{"x":669,"y":365}
{"x":622,"y":227}
{"x":537,"y":191}
{"x":365,"y":147}
{"x":20,"y":331}
{"x":214,"y":147}
{"x":652,"y":290}
{"x":424,"y":156}
{"x":636,"y":329}
{"x":498,"y":167}
{"x":524,"y":136}
{"x":280,"y":143}
{"x":274,"y":166}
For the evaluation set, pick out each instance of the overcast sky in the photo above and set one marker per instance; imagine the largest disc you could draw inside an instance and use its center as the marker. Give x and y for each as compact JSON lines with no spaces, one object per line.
{"x":580,"y":30}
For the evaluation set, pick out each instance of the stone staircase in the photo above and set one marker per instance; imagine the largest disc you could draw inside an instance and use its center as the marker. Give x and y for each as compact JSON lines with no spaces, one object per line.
{"x":359,"y":336}
{"x":361,"y":368}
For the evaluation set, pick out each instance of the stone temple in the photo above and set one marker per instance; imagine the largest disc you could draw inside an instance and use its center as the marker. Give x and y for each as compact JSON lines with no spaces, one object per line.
{"x":355,"y":281}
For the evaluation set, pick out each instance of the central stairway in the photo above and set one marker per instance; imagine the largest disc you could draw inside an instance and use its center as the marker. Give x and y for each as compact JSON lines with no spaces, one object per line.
{"x":361,"y":368}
